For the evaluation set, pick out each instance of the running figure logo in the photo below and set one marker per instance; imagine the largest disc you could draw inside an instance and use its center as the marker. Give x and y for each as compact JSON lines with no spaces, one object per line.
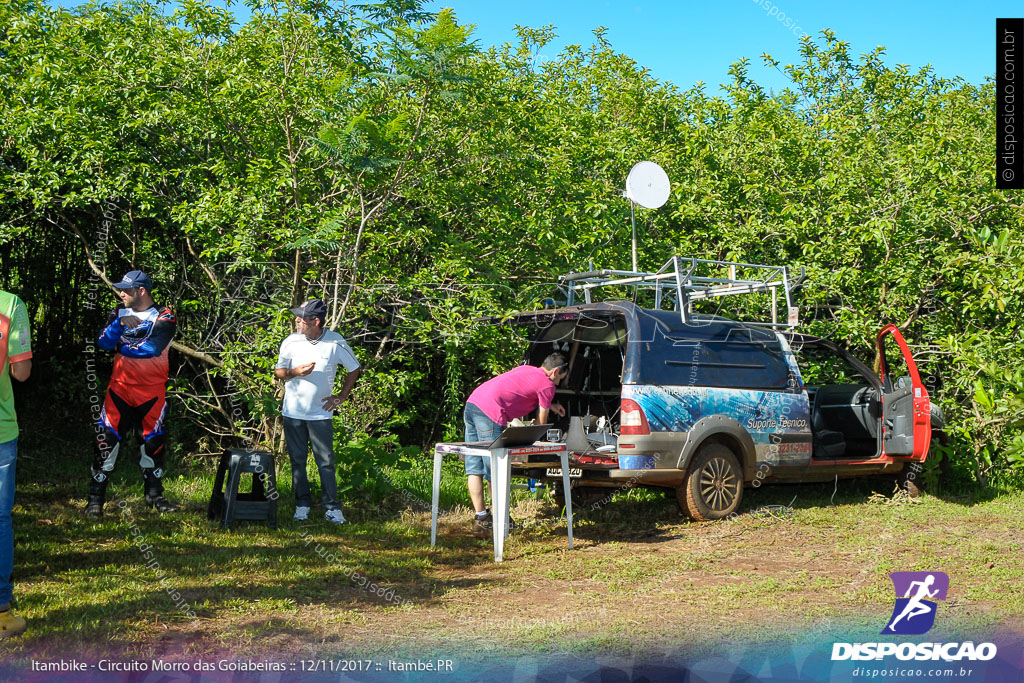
{"x":914,"y":613}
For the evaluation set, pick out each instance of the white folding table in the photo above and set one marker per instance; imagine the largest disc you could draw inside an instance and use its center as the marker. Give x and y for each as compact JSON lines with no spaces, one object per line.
{"x":501,"y":475}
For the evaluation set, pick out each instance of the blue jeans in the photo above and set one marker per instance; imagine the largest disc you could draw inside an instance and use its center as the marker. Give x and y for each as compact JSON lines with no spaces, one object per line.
{"x":479,"y":427}
{"x":298,"y":436}
{"x":8,"y":456}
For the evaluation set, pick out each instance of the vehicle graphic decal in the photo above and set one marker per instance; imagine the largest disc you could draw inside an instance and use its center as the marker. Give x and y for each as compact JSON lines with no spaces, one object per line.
{"x":778,"y":423}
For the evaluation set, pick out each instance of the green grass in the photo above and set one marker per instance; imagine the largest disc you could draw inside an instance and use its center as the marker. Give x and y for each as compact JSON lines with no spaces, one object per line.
{"x":641,"y":575}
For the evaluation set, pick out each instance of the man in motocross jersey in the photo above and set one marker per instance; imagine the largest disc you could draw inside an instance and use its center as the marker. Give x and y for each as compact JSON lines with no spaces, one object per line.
{"x":139,"y":333}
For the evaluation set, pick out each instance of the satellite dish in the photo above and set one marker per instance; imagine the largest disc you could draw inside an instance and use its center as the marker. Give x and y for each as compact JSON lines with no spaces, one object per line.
{"x":647,"y":185}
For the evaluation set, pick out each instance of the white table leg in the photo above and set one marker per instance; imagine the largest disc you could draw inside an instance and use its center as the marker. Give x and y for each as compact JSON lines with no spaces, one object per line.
{"x":568,"y":494}
{"x":438,"y":456}
{"x":499,"y":490}
{"x":508,"y":494}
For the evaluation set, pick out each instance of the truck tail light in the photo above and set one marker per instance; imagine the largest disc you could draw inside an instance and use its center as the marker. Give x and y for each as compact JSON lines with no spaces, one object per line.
{"x":633,"y":422}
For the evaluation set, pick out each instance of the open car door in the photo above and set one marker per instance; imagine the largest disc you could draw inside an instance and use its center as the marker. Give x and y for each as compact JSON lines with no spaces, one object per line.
{"x":906,"y":412}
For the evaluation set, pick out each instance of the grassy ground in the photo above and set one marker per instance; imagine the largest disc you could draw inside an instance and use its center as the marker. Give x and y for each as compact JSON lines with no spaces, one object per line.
{"x":641,"y":576}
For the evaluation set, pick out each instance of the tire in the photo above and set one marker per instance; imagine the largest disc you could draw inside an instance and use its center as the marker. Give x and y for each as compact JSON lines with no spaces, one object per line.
{"x":714,"y":484}
{"x":914,"y":485}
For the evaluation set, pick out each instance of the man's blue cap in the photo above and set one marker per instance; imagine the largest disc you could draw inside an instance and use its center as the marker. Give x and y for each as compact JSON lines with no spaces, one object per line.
{"x":135,"y":278}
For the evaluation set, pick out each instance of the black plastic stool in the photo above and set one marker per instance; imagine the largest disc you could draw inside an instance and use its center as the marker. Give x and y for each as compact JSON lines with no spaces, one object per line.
{"x":228,"y":504}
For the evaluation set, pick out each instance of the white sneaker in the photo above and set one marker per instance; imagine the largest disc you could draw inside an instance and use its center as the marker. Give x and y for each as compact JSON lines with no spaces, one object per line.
{"x":301,"y":513}
{"x":334,"y":517}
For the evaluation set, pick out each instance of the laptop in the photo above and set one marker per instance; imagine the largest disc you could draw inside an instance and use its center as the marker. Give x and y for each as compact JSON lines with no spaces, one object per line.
{"x":516,"y":436}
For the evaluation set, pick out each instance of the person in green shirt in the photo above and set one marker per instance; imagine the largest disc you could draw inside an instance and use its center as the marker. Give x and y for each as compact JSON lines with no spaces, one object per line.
{"x":16,"y":362}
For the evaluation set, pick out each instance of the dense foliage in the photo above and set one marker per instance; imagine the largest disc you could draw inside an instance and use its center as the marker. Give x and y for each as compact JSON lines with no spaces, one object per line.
{"x":374,"y":155}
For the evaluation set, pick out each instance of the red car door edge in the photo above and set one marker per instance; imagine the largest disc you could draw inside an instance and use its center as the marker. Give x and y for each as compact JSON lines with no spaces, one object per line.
{"x":922,"y":405}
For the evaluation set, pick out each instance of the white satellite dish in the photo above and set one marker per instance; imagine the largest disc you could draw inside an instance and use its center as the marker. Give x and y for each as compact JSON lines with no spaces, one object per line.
{"x":647,"y":185}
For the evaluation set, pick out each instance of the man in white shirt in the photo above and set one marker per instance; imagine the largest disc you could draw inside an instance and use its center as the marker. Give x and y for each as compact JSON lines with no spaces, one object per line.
{"x":309,"y":361}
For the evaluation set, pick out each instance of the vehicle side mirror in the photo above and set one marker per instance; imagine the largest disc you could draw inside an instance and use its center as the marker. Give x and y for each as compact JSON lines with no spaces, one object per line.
{"x":904,"y":382}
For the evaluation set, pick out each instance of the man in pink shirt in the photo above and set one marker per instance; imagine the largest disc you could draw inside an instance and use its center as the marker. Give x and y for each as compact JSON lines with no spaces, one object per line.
{"x":498,"y":401}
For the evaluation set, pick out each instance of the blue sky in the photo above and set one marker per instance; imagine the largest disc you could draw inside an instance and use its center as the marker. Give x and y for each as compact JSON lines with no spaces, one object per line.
{"x":688,"y":41}
{"x":685,"y":41}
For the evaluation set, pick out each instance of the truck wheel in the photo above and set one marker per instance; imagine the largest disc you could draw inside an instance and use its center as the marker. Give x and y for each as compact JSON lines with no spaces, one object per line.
{"x":911,"y":484}
{"x":713,"y":486}
{"x":911,"y":479}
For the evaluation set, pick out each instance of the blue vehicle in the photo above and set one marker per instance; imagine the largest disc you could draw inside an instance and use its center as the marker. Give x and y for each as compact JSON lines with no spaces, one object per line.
{"x":709,"y":406}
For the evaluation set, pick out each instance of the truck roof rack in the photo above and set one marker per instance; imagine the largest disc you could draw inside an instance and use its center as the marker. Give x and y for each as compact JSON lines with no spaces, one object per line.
{"x":692,"y":279}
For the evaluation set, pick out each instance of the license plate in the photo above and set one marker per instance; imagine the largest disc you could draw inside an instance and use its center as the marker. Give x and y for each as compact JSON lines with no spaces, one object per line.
{"x":574,"y":472}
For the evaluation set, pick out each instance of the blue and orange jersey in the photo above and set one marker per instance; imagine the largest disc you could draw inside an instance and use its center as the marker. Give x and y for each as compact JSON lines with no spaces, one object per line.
{"x":141,"y":340}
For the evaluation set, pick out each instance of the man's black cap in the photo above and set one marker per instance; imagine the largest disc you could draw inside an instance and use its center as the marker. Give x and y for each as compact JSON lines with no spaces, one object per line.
{"x":312,"y":308}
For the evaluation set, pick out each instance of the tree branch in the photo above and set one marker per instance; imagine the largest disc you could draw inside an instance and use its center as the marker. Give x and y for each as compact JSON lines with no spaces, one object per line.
{"x":189,"y":351}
